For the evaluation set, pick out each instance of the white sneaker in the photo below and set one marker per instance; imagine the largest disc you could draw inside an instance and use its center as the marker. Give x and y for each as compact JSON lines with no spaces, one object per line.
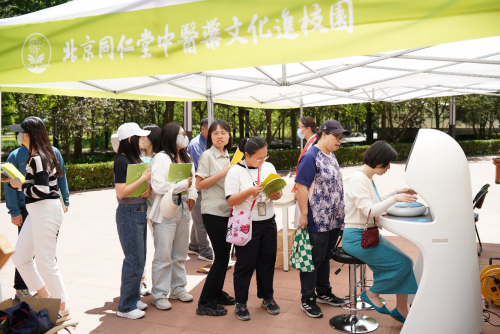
{"x":141,"y":306}
{"x":183,"y":296}
{"x":161,"y":304}
{"x":134,"y":314}
{"x":145,"y":289}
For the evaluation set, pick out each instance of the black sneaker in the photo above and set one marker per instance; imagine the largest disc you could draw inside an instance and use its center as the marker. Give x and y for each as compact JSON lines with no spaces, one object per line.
{"x":212,"y":309}
{"x":330,"y":299}
{"x":225,"y":299}
{"x":311,"y":308}
{"x":193,"y":251}
{"x":242,"y":312}
{"x":271,"y":306}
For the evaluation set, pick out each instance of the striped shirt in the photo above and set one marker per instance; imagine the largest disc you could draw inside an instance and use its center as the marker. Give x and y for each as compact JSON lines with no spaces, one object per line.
{"x":40,"y":184}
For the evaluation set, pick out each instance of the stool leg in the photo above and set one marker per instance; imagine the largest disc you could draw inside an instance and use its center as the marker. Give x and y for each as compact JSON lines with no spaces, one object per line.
{"x":361,"y":305}
{"x":353,"y":322}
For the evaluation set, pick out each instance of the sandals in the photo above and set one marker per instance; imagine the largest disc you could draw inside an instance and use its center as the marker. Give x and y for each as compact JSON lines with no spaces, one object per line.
{"x":63,"y":316}
{"x":382,"y":310}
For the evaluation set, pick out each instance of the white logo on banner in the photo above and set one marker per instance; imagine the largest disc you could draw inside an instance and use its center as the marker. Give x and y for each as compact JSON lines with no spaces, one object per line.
{"x":36,"y":53}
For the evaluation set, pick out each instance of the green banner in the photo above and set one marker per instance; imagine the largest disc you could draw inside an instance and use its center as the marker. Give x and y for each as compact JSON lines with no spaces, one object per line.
{"x":223,"y":34}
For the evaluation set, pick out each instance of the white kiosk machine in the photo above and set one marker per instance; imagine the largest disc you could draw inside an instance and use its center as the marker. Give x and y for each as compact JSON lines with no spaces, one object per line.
{"x":448,"y":299}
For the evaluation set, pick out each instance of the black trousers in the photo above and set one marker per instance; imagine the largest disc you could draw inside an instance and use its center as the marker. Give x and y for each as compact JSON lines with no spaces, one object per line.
{"x":216,"y":229}
{"x":18,"y":280}
{"x":258,"y":255}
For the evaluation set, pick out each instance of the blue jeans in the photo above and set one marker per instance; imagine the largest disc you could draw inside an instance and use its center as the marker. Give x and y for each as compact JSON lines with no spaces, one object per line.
{"x":322,"y":244}
{"x":131,"y":223}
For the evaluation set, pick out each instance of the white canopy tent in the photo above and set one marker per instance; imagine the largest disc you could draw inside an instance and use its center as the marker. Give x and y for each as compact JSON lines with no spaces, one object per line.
{"x":463,"y":67}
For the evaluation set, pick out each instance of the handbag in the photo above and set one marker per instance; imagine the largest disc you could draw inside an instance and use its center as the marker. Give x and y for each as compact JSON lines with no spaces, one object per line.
{"x":239,"y":226}
{"x":370,"y":236}
{"x":301,"y":254}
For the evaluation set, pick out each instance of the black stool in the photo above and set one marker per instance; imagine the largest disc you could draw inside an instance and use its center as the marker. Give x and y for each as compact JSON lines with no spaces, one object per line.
{"x":352,"y":322}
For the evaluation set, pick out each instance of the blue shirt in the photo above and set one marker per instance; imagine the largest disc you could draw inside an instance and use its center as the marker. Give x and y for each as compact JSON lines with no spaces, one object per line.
{"x":196,"y":147}
{"x":15,"y":199}
{"x":321,"y":174}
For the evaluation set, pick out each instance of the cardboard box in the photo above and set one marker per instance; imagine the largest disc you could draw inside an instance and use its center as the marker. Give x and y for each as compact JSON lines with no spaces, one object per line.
{"x":6,"y":250}
{"x":279,"y":260}
{"x":291,"y":236}
{"x":51,"y":304}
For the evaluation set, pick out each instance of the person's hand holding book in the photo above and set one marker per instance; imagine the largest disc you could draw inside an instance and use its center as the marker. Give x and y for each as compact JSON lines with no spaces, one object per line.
{"x":274,"y":196}
{"x":16,"y":183}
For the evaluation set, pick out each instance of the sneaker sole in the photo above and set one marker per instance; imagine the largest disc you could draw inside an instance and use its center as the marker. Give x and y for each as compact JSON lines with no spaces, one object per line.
{"x":193,"y":252}
{"x":209,"y":313}
{"x":243,"y":319}
{"x":270,"y":312}
{"x":311,"y":315}
{"x":321,"y":301}
{"x":124,"y":315}
{"x":145,"y":293}
{"x":182,"y":300}
{"x":204,"y":258}
{"x":160,"y":308}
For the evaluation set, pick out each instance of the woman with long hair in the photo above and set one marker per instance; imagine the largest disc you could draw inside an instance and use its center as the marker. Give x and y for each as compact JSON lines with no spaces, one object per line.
{"x":38,"y":236}
{"x":210,"y":177}
{"x":130,"y":220}
{"x":149,"y":145}
{"x":171,"y":235}
{"x":392,"y":268}
{"x":242,"y":188}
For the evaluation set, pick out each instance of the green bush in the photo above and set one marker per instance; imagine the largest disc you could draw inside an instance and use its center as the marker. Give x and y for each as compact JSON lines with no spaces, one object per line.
{"x":100,"y":175}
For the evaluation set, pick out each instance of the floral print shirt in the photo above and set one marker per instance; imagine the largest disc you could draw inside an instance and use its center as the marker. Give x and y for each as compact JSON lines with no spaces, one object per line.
{"x":321,"y":174}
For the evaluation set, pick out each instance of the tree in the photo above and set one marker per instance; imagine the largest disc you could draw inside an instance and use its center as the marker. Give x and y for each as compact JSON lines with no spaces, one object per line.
{"x":439,"y":109}
{"x":480,"y":112}
{"x":397,"y":118}
{"x":10,"y":8}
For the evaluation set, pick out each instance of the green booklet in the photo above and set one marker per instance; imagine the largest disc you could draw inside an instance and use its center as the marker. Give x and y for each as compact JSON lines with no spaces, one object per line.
{"x":179,"y":172}
{"x":134,"y":172}
{"x":274,"y":185}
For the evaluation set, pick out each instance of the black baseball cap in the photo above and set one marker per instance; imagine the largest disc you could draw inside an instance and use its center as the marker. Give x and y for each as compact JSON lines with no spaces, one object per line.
{"x":333,"y":127}
{"x":19,"y":127}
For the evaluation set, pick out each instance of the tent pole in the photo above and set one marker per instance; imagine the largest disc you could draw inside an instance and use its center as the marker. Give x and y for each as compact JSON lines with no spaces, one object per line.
{"x":210,"y":102}
{"x":188,"y":119}
{"x":301,"y":115}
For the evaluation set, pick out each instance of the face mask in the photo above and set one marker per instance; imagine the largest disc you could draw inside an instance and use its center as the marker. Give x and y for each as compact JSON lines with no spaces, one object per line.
{"x":182,"y":141}
{"x":300,"y":134}
{"x":20,"y":138}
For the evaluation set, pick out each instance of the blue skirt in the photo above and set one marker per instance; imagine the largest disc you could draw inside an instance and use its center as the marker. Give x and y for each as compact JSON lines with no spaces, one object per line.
{"x":392,"y":269}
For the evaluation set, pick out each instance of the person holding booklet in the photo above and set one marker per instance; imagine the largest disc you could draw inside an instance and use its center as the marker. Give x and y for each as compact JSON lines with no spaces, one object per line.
{"x":131,"y":217}
{"x":320,"y":196}
{"x":38,"y":237}
{"x":210,"y":177}
{"x":172,"y":175}
{"x":243,"y":192}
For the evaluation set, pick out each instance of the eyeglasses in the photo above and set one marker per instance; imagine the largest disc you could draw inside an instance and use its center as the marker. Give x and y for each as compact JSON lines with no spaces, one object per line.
{"x":339,"y":137}
{"x":262,"y":159}
{"x":220,"y":134}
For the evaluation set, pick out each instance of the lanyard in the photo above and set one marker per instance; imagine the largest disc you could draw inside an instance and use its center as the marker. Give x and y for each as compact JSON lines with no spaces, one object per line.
{"x":258,"y":174}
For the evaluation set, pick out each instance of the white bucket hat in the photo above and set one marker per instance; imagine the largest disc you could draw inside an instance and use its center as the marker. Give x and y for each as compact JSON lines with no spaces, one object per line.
{"x":131,"y":129}
{"x":167,"y":206}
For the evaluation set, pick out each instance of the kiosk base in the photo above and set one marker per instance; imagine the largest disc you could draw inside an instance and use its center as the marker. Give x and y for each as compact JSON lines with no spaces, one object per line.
{"x":347,"y":323}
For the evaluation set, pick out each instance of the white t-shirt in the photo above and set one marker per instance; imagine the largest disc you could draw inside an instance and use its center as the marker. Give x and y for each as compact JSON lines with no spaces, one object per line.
{"x":238,"y":180}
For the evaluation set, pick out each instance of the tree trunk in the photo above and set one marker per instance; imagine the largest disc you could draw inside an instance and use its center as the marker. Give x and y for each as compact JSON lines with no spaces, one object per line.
{"x":92,"y":132}
{"x":369,"y":124}
{"x":77,"y":152}
{"x":269,"y":133}
{"x":438,"y":121}
{"x":168,"y":115}
{"x":241,"y":122}
{"x":293,"y":126}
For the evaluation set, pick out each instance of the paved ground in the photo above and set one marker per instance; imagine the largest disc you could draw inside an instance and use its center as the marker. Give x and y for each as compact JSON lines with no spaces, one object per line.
{"x":90,"y":258}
